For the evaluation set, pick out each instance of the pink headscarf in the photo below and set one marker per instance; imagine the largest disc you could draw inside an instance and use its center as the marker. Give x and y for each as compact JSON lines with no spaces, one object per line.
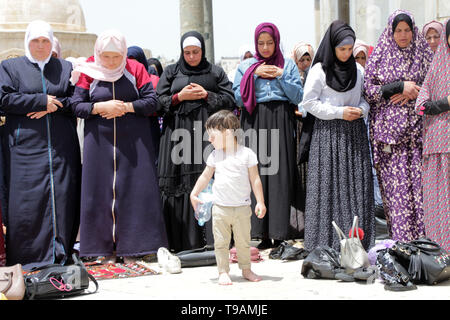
{"x":56,"y":47}
{"x":436,"y":25}
{"x":108,"y":41}
{"x":360,"y":46}
{"x":435,"y":87}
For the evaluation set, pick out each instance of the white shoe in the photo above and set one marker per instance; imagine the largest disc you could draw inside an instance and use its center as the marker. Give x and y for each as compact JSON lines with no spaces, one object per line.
{"x":168,"y":261}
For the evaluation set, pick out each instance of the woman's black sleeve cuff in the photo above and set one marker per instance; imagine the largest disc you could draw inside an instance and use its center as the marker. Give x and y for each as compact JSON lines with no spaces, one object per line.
{"x":390,"y":89}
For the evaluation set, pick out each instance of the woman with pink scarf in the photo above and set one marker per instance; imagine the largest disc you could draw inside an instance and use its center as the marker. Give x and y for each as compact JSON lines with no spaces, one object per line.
{"x":120,"y":199}
{"x":432,"y":33}
{"x":434,"y":104}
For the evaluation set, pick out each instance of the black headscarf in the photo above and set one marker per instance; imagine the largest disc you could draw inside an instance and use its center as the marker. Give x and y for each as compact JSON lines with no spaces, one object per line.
{"x":138,"y":54}
{"x":402,"y":17}
{"x":447,"y":32}
{"x":157,"y":64}
{"x":341,"y":76}
{"x":203,"y":67}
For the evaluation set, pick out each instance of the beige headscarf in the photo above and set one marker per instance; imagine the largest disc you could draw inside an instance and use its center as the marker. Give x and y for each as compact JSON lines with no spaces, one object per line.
{"x":35,"y":30}
{"x":300,"y":49}
{"x":111,"y":41}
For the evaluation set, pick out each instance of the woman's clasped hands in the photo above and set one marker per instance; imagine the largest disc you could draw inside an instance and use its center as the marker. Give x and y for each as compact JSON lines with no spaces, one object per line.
{"x":52,"y":105}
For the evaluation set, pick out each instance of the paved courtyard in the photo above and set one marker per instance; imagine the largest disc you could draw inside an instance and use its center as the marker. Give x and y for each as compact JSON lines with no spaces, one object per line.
{"x":282,"y":280}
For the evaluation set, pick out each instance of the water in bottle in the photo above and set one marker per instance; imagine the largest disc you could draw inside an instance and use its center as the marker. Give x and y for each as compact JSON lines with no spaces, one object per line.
{"x":203,"y":212}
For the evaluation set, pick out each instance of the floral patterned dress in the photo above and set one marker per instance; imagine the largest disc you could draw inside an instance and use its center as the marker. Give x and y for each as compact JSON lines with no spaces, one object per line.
{"x":436,"y":149}
{"x":396,"y":131}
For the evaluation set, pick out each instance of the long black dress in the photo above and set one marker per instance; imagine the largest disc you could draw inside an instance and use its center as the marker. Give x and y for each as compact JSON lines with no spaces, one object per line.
{"x":42,"y":163}
{"x":177,"y":177}
{"x":120,"y":200}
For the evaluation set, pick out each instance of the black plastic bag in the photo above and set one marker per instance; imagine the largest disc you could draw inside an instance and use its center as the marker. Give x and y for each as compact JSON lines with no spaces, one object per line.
{"x":197,"y":257}
{"x":321,"y":263}
{"x":287,"y":252}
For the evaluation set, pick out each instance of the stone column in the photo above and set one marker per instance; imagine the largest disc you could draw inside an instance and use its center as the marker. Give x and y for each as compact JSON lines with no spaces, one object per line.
{"x":209,"y":30}
{"x":191,"y":16}
{"x":196,"y":15}
{"x":344,"y":10}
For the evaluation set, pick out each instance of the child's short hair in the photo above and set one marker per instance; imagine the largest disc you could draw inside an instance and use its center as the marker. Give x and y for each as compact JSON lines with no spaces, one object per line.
{"x":222,"y":121}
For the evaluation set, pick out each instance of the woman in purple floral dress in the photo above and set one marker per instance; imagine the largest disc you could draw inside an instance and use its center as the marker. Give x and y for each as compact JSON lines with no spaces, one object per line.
{"x":394,"y":73}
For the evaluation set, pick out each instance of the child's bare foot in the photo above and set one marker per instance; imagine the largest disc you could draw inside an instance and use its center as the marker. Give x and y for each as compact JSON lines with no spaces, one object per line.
{"x":250,"y":276}
{"x":224,"y":279}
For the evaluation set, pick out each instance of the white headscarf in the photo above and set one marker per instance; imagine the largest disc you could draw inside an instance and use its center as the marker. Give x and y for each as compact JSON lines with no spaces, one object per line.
{"x":112,"y":41}
{"x":35,"y":30}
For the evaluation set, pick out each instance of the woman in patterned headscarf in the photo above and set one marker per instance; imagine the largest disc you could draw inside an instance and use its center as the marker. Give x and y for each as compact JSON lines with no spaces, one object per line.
{"x":434,"y":103}
{"x":393,"y":74}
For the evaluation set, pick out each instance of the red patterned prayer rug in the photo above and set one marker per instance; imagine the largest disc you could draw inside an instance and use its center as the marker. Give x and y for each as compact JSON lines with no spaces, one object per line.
{"x":118,"y":270}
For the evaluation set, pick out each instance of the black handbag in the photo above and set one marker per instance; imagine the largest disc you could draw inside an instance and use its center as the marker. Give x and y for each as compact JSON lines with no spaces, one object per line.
{"x":57,"y":281}
{"x":424,"y":259}
{"x":394,"y":275}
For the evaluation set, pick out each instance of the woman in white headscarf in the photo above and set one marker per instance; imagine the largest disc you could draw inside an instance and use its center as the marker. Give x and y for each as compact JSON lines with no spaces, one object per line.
{"x":42,"y":159}
{"x":120,"y":198}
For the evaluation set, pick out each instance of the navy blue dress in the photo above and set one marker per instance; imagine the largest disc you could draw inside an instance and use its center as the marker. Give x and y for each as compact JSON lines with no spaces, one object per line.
{"x":120,"y":198}
{"x":42,"y":163}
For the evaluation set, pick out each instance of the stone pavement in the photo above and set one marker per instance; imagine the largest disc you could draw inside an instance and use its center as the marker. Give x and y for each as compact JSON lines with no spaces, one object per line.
{"x":282,"y":281}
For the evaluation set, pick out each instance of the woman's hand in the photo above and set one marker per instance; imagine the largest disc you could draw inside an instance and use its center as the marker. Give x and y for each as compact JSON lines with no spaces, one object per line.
{"x":410,"y":90}
{"x":268,"y":71}
{"x":399,"y":98}
{"x":110,"y":109}
{"x":52,"y":105}
{"x":37,"y":115}
{"x":199,"y":90}
{"x":352,"y":113}
{"x":192,"y":92}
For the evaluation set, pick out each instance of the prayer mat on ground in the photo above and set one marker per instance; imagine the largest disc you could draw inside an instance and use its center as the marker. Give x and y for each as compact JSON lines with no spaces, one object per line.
{"x":118,"y":270}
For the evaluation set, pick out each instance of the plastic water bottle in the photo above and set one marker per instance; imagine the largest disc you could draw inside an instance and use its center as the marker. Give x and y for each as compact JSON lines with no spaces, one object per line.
{"x":203,"y":212}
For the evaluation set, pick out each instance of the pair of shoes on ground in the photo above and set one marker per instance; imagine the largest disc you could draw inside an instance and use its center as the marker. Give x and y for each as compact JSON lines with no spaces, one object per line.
{"x":113,"y":259}
{"x":267,"y":244}
{"x":399,"y":286}
{"x":167,"y":261}
{"x":363,"y":274}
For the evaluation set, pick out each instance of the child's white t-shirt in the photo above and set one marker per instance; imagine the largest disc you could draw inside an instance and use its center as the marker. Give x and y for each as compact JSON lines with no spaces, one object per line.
{"x":232,"y":186}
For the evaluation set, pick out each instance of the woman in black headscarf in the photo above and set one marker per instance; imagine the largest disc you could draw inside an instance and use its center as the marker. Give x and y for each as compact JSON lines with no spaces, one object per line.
{"x":138,"y":54}
{"x":155,"y":66}
{"x":189,"y":91}
{"x":339,"y":179}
